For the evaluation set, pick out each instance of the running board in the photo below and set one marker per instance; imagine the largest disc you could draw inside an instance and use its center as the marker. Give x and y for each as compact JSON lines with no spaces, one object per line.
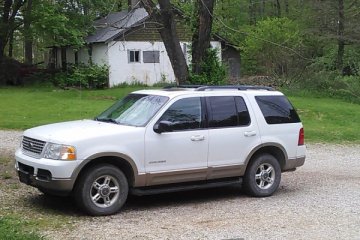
{"x":185,"y":187}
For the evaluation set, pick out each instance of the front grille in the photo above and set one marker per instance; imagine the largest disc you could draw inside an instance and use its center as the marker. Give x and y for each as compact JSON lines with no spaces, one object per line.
{"x":33,"y":146}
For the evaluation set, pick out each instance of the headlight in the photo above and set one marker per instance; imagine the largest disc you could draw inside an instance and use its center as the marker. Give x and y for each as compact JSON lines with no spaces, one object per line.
{"x":59,"y":152}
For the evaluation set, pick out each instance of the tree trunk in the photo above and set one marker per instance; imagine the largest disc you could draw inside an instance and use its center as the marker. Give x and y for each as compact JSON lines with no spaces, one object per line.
{"x":165,"y":16}
{"x":63,"y":59}
{"x":52,"y":61}
{"x":11,"y":44}
{"x":341,"y":40}
{"x":4,"y":30}
{"x":278,"y":9}
{"x":263,"y":7}
{"x":287,"y":6}
{"x":202,"y":34}
{"x":252,"y":12}
{"x":7,"y":26}
{"x":28,"y":36}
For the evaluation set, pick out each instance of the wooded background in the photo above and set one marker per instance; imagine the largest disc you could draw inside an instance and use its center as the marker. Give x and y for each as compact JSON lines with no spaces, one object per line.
{"x":314,"y":43}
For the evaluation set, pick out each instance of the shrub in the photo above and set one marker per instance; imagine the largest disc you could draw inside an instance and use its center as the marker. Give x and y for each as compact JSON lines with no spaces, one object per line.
{"x":213,"y":71}
{"x":84,"y":76}
{"x":10,"y":70}
{"x":330,"y":83}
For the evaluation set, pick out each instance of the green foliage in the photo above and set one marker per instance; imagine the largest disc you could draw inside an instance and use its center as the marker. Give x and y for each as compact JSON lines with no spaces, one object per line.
{"x":234,"y":16}
{"x":346,"y":87}
{"x":322,"y":76}
{"x":134,"y":83}
{"x":213,"y":72}
{"x":332,"y":84}
{"x":13,"y":229}
{"x":84,"y":76}
{"x":267,"y":47}
{"x":57,"y":26}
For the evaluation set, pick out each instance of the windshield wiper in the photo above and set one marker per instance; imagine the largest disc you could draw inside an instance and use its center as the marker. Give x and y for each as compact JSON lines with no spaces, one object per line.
{"x":106,"y":120}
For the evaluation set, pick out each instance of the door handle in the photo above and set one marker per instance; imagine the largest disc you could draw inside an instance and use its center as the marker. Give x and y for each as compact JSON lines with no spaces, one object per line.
{"x":197,"y":138}
{"x":249,"y":134}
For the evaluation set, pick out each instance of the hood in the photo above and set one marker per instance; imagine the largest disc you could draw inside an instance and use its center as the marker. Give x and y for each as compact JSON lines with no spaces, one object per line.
{"x":74,"y":131}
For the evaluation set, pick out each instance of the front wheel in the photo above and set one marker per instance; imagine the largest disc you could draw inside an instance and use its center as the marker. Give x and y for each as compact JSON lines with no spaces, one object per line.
{"x":263,"y":175}
{"x":101,"y":190}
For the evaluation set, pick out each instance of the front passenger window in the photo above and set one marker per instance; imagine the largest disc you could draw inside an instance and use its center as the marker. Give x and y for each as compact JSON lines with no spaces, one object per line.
{"x":184,"y":114}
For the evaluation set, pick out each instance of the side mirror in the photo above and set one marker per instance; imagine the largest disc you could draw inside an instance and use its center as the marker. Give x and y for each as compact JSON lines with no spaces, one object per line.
{"x":163,"y":126}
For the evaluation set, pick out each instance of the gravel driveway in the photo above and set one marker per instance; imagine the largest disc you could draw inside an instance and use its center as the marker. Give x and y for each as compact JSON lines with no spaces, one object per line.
{"x":321,"y":200}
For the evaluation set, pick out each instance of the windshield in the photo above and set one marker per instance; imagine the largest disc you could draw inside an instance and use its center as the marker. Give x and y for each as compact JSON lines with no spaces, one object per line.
{"x":133,"y":110}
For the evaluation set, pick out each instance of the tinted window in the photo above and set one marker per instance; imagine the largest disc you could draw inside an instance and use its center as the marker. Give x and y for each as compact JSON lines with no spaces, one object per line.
{"x":223,"y":112}
{"x":277,"y":109}
{"x":184,"y":114}
{"x":243,"y":113}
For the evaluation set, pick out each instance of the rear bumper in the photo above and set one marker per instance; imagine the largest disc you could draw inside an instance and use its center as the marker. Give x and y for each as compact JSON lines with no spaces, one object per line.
{"x":294,"y":163}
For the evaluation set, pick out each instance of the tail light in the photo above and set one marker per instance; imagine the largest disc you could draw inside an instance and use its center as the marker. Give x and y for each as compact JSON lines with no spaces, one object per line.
{"x":301,"y":137}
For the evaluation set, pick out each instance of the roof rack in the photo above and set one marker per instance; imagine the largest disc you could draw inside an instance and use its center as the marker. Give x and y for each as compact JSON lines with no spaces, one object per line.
{"x":222,"y":87}
{"x":183,"y":86}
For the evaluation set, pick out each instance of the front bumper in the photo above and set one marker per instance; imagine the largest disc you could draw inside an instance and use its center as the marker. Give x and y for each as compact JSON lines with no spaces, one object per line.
{"x":53,"y":176}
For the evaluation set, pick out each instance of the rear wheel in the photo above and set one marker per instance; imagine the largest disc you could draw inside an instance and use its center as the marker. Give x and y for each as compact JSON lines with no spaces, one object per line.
{"x":263,"y":176}
{"x":101,"y":190}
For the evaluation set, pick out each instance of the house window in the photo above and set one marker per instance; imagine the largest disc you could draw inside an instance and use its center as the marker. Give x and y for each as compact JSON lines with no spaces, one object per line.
{"x":134,"y":56}
{"x":151,"y":56}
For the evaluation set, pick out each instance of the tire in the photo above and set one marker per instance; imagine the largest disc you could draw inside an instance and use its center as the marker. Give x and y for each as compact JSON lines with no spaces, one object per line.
{"x":263,"y":176}
{"x":101,"y":190}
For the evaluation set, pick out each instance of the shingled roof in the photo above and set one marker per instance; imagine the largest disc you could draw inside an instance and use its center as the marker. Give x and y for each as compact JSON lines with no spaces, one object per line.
{"x":116,"y":24}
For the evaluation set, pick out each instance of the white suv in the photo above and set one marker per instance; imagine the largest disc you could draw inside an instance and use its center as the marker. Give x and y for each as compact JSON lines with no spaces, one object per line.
{"x":156,"y":141}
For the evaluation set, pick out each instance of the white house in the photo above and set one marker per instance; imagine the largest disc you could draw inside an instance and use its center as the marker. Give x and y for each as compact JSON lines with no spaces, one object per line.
{"x":129,"y":43}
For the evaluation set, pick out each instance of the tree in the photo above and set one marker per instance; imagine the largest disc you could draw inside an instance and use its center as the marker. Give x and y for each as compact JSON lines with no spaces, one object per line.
{"x":202,"y":33}
{"x":9,"y":12}
{"x":166,"y":17}
{"x":341,"y":40}
{"x":28,"y":42}
{"x":268,"y":46}
{"x":336,"y":24}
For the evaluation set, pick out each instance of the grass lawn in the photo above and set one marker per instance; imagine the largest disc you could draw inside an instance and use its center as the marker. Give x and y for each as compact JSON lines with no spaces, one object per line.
{"x":325,"y":119}
{"x":22,"y":108}
{"x":12,"y":228}
{"x":328,"y":120}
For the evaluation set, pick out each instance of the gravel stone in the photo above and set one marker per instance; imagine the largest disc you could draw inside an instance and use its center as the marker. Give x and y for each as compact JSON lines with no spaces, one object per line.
{"x":9,"y":140}
{"x":320,"y":200}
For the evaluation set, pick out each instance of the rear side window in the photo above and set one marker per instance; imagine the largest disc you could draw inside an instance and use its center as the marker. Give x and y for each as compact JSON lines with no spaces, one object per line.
{"x":277,"y":109}
{"x":243,"y":113}
{"x":227,"y":111}
{"x":223,"y":112}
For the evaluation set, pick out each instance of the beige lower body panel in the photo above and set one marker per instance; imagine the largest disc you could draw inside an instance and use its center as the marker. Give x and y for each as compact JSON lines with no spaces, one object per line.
{"x":209,"y":173}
